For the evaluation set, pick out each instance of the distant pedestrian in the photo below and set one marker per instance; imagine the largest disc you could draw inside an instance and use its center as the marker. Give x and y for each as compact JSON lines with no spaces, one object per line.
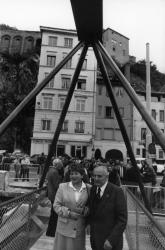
{"x":26,"y":168}
{"x":17,"y":168}
{"x":54,"y":178}
{"x":41,"y":162}
{"x":154,"y":165}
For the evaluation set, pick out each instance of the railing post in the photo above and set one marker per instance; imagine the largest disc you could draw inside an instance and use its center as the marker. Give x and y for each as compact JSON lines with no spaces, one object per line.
{"x":137,"y":228}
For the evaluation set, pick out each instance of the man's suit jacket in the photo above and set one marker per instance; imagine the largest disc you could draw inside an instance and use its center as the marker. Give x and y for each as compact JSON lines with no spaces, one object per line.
{"x":108,"y":220}
{"x":54,"y":179}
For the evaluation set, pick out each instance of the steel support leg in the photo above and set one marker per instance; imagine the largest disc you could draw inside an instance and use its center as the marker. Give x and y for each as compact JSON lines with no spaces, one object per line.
{"x":36,"y":90}
{"x":134,"y":98}
{"x":120,"y":122}
{"x":63,"y":114}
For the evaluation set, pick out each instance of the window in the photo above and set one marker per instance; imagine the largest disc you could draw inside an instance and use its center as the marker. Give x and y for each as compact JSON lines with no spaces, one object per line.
{"x":114,"y":48}
{"x":28,"y":44}
{"x":84,"y":66}
{"x":114,"y":42}
{"x":68,"y":65}
{"x":80,"y":105}
{"x":46,"y":124}
{"x":100,"y":88}
{"x":65,"y":126}
{"x":68,"y":42}
{"x":138,"y":151}
{"x":121,"y":110}
{"x":81,"y":84}
{"x":119,"y":91}
{"x":5,"y":42}
{"x":161,"y":155}
{"x":153,"y":113}
{"x":17,"y":44}
{"x":161,"y":112}
{"x":143,"y":134}
{"x":61,"y":102}
{"x":109,"y":112}
{"x":99,"y":110}
{"x":47,"y":102}
{"x":66,"y":82}
{"x":52,"y":41}
{"x":60,"y":150}
{"x":50,"y":83}
{"x":78,"y":151}
{"x":51,"y":61}
{"x":120,"y":44}
{"x":79,"y":126}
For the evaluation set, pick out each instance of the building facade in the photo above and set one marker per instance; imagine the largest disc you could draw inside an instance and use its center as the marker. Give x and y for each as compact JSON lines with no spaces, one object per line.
{"x":15,"y":41}
{"x":140,"y":127}
{"x":79,"y":126}
{"x":108,"y":138}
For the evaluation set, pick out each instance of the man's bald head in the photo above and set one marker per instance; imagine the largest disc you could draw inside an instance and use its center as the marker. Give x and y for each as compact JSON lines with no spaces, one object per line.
{"x":100,"y":175}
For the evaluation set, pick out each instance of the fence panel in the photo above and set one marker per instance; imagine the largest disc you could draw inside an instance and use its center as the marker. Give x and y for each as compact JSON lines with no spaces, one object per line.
{"x":18,"y":224}
{"x":143,"y":230}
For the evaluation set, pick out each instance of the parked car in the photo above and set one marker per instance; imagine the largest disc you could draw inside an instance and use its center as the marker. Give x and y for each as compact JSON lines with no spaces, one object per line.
{"x":160,"y":166}
{"x":34,"y":159}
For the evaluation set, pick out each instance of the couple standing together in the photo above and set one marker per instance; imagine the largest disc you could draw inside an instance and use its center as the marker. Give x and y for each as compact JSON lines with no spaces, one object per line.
{"x":102,"y":206}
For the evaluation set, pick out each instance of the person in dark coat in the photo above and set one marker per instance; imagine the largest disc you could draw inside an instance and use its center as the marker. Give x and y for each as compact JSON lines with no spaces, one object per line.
{"x":54,"y":178}
{"x":108,"y":212}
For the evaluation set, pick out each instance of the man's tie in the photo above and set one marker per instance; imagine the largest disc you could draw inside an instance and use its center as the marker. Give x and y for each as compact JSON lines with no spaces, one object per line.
{"x":98,"y":193}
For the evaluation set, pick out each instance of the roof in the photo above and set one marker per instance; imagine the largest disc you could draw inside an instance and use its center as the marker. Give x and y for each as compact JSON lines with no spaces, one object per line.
{"x":114,"y":31}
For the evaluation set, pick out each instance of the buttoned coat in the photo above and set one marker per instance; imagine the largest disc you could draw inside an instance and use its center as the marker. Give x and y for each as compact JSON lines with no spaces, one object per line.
{"x":64,"y":201}
{"x":108,"y":220}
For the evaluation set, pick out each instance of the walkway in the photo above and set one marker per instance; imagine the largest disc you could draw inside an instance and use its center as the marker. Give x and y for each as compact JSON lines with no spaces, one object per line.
{"x":46,"y":243}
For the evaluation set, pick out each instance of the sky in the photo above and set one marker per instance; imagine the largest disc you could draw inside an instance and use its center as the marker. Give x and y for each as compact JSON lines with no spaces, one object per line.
{"x":142,"y":21}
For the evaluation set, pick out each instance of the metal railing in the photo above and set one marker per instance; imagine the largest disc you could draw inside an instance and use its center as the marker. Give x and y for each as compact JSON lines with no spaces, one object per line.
{"x":143,"y":230}
{"x":155,"y":195}
{"x":20,"y":226}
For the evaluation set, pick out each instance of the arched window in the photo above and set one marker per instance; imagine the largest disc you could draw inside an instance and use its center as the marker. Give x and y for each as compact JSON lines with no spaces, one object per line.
{"x":16,"y":44}
{"x":28,"y":44}
{"x":5,"y":43}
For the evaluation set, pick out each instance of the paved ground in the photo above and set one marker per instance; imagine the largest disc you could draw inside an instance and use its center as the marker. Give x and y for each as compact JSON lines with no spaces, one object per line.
{"x":46,"y":243}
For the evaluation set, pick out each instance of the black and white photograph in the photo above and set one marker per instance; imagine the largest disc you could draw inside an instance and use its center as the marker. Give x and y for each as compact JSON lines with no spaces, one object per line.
{"x":82,"y":125}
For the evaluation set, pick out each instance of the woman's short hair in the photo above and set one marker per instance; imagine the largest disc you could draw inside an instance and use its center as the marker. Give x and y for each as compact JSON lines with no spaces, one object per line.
{"x":76,"y":167}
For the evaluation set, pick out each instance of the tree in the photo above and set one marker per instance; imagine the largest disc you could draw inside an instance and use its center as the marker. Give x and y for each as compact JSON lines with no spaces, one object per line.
{"x":18,"y":76}
{"x":157,"y":78}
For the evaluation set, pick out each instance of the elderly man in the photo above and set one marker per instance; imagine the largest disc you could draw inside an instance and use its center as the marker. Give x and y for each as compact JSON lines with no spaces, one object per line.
{"x":54,"y":178}
{"x":108,"y":212}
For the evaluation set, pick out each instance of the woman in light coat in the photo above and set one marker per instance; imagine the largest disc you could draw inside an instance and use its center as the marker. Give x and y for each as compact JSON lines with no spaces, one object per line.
{"x":70,"y":205}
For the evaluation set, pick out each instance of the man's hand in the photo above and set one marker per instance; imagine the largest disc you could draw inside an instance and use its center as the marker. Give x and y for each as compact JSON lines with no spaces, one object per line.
{"x":107,"y":245}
